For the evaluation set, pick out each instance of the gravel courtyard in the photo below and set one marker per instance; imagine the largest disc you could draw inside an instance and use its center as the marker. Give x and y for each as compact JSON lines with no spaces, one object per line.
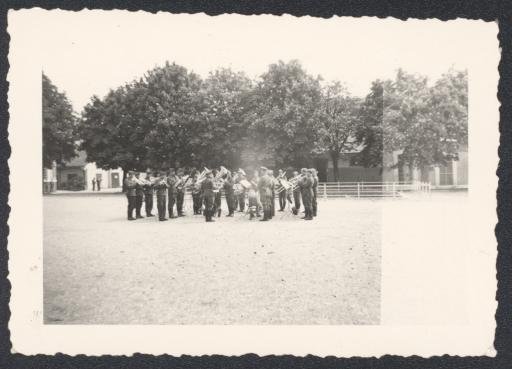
{"x":101,"y":269}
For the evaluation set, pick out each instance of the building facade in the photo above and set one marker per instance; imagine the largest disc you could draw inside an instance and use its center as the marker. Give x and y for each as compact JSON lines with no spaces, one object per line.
{"x":77,"y":175}
{"x":454,"y":174}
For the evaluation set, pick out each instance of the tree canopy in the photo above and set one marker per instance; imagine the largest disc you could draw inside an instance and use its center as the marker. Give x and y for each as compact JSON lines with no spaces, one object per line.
{"x":59,"y":125}
{"x":286,"y":117}
{"x":337,"y":123}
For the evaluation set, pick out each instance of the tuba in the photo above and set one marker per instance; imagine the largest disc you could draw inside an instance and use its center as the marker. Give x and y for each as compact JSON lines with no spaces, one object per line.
{"x":218,"y":181}
{"x":201,"y":178}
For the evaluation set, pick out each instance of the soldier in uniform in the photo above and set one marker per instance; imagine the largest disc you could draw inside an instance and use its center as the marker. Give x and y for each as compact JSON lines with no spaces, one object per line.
{"x":130,"y":187}
{"x":273,"y":198}
{"x":208,"y":196}
{"x":180,"y":192}
{"x":307,"y":195}
{"x":254,"y":181}
{"x":217,"y":202}
{"x":314,"y":174}
{"x":282,"y":194}
{"x":229,"y":192}
{"x":265,"y":185}
{"x":196,"y":194}
{"x":235,"y":197}
{"x":148,"y":193}
{"x":139,"y":195}
{"x":160,"y":184}
{"x":296,"y":195}
{"x":241,"y":196}
{"x":172,"y":180}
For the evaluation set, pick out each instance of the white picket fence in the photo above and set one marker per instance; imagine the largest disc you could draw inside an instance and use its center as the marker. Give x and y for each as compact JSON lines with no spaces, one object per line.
{"x":328,"y":190}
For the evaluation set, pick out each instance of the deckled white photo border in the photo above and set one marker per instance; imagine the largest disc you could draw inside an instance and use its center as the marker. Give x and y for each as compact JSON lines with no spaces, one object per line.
{"x":30,"y":336}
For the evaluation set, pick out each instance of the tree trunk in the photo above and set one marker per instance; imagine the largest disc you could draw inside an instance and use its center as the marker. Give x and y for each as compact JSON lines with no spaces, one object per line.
{"x":411,"y":172}
{"x":335,"y":158}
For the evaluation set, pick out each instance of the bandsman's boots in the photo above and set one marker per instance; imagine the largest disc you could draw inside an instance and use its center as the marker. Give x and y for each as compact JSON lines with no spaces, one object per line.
{"x":265,"y":216}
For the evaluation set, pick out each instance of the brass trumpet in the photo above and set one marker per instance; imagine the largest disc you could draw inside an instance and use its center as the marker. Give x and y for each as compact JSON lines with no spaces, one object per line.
{"x":294,"y":182}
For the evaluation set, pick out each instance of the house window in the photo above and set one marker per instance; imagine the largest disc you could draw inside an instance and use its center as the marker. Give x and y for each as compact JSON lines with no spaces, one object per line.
{"x":446,"y":174}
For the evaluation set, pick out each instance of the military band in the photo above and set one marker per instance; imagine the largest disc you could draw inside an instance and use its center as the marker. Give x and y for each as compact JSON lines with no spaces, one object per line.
{"x":259,"y":191}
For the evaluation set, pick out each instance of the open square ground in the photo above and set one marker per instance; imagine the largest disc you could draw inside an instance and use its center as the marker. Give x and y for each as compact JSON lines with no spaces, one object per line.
{"x":101,"y":269}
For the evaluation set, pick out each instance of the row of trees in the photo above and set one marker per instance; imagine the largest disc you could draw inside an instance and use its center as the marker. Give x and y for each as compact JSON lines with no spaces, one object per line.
{"x":287,"y":117}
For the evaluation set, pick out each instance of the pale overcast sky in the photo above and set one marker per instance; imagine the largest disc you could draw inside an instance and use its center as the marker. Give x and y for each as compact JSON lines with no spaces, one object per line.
{"x":87,"y":53}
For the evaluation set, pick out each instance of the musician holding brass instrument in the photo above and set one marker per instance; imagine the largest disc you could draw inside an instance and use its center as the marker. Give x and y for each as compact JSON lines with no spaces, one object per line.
{"x":229,"y":192}
{"x":160,"y":184}
{"x":265,"y":185}
{"x":180,"y":191}
{"x":139,"y":195}
{"x":241,"y":190}
{"x":252,"y":194}
{"x":307,"y":194}
{"x":273,"y":189}
{"x":131,"y":193}
{"x":218,"y":184}
{"x":207,"y":188}
{"x":172,"y":180}
{"x":196,"y":193}
{"x":314,"y":204}
{"x":284,"y":190}
{"x":295,"y":189}
{"x":148,"y":193}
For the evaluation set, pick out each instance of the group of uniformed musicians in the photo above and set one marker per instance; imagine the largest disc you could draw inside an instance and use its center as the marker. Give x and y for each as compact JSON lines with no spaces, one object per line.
{"x":260,"y":190}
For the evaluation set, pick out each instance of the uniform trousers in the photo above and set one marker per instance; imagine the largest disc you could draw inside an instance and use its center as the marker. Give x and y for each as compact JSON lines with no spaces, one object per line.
{"x":196,"y":200}
{"x":314,"y":205}
{"x":139,"y":199}
{"x":180,"y":198}
{"x":230,"y":201}
{"x":217,"y":202}
{"x":131,"y":205}
{"x":241,"y":201}
{"x":161,"y":199}
{"x":172,"y":201}
{"x":273,"y":204}
{"x":308,"y":204}
{"x":296,"y":199}
{"x":148,"y":198}
{"x":208,"y":206}
{"x":282,"y":200}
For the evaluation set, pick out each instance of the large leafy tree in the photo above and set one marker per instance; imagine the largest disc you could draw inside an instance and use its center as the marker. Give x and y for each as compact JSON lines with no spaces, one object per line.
{"x":59,"y":125}
{"x":425,"y":123}
{"x":151,"y":122}
{"x":223,"y":137}
{"x":175,"y":112}
{"x":337,"y":123}
{"x":370,"y":130}
{"x":449,"y":108}
{"x":282,"y":119}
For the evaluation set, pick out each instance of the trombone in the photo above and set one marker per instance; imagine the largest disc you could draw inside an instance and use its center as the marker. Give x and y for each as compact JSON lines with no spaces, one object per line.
{"x":295,"y":181}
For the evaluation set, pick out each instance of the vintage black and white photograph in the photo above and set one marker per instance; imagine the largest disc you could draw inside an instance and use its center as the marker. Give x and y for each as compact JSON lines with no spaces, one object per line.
{"x":257,"y":171}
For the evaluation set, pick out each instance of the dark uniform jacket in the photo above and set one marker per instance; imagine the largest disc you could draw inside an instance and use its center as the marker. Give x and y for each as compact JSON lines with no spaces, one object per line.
{"x":139,"y":188}
{"x":171,"y":182}
{"x":307,"y":188}
{"x":315,"y":186}
{"x":228,"y":186}
{"x":207,"y":188}
{"x":148,"y":187}
{"x":161,"y":187}
{"x":130,"y":186}
{"x":265,"y":186}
